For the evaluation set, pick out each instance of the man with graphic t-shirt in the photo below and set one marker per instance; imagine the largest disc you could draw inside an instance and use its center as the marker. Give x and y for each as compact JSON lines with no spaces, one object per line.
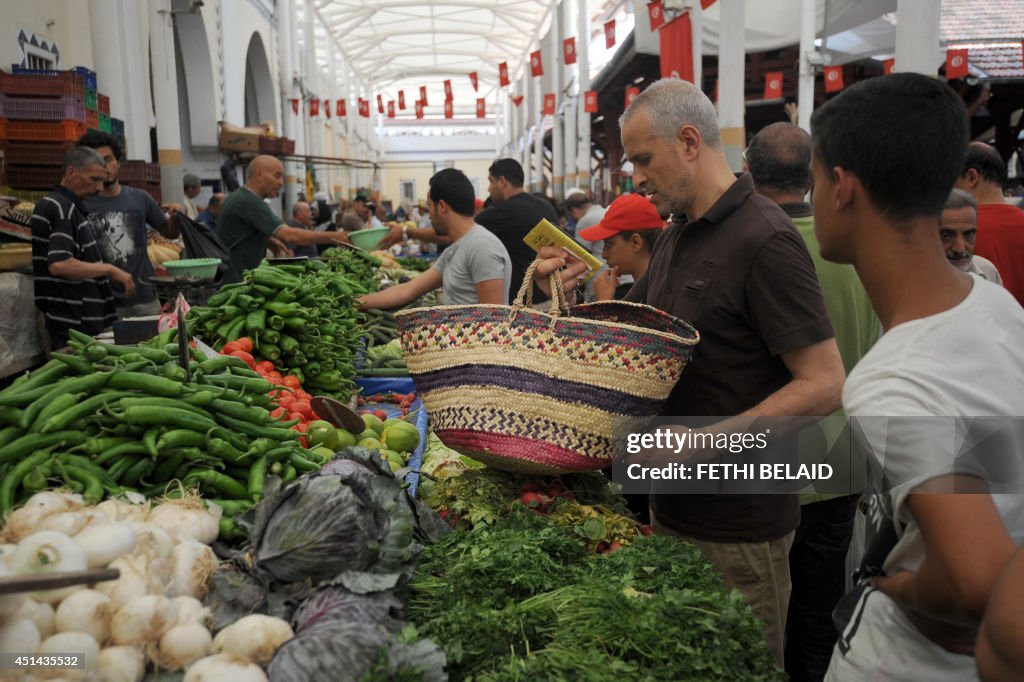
{"x":934,"y":419}
{"x":119,"y":216}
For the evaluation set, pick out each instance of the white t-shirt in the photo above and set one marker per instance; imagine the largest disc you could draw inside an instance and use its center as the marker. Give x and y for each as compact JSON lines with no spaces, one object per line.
{"x":965,"y":362}
{"x":477,"y":257}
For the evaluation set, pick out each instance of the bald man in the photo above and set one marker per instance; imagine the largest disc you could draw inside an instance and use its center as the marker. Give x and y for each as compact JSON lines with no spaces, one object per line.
{"x":247,"y":225}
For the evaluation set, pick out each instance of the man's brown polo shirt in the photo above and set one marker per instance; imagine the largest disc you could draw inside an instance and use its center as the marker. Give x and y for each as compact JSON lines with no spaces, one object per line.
{"x":741,"y":274}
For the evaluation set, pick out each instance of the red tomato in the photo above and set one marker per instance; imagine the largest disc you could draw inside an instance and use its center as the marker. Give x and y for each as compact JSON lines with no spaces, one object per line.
{"x":304,"y":442}
{"x":245,"y":343}
{"x":276,"y":377}
{"x":264,"y":367}
{"x":277,"y":412}
{"x":285,"y":400}
{"x":292,"y":382}
{"x":302,"y":395}
{"x":301,"y":426}
{"x":229,"y":348}
{"x":303,"y":407}
{"x":244,"y":356}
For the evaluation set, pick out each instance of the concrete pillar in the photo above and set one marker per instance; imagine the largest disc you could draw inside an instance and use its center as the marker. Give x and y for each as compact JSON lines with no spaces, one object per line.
{"x":917,"y":36}
{"x":555,"y":36}
{"x":805,"y":91}
{"x":165,"y":99}
{"x":309,"y":77}
{"x":286,"y":72}
{"x":697,"y":40}
{"x":233,"y":66}
{"x":573,"y":100}
{"x":120,"y":63}
{"x":333,"y":89}
{"x":583,"y":118}
{"x":537,"y":184}
{"x":731,"y":68}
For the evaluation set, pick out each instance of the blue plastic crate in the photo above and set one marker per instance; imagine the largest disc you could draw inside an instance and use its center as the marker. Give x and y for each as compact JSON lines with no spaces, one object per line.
{"x":117,"y":127}
{"x":390,"y":385}
{"x":88,"y":75}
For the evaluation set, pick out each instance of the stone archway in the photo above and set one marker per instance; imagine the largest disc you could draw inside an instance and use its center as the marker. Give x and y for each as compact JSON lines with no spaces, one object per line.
{"x":196,"y":78}
{"x":259,"y":85}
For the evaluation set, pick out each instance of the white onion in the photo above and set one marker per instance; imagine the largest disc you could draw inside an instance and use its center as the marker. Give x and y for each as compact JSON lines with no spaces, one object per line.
{"x":40,"y":613}
{"x":25,"y":520}
{"x":186,"y":519}
{"x":143,"y":620}
{"x":64,"y":643}
{"x":255,"y":637}
{"x":224,"y":668}
{"x":181,"y":646}
{"x":104,"y":542}
{"x":194,"y":565}
{"x":73,"y":522}
{"x":153,"y":542}
{"x":48,"y":552}
{"x":125,"y":510}
{"x":19,"y":636}
{"x":121,"y":664}
{"x":132,"y":584}
{"x":191,"y":610}
{"x":86,"y":611}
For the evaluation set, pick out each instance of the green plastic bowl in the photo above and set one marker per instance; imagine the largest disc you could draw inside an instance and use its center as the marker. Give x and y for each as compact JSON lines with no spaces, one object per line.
{"x":368,"y":239}
{"x":193,"y":268}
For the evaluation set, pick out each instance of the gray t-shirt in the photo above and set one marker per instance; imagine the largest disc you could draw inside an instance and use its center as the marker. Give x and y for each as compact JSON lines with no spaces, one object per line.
{"x":477,"y":257}
{"x":120,"y":226}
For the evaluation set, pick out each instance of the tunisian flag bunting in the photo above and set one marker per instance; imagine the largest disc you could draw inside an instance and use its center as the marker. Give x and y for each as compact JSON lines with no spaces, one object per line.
{"x":473,"y":80}
{"x":632,"y":93}
{"x":401,"y":100}
{"x":773,"y":85}
{"x":656,"y":12}
{"x":448,"y":90}
{"x":536,"y":67}
{"x":609,"y":34}
{"x":675,"y":39}
{"x":569,"y":50}
{"x":380,"y":105}
{"x":481,"y":107}
{"x":503,"y":74}
{"x":449,"y":111}
{"x":295,"y":106}
{"x":956,"y":64}
{"x":314,"y":107}
{"x":327,"y":108}
{"x":391,"y":108}
{"x":549,"y":104}
{"x":423,"y":94}
{"x":339,"y":108}
{"x":704,"y":4}
{"x":517,"y":100}
{"x":889,"y":66}
{"x":590,"y":102}
{"x":834,"y":79}
{"x":419,"y":109}
{"x":364,"y":108}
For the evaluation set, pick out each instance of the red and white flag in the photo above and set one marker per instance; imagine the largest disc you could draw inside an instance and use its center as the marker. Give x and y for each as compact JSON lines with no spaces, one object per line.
{"x":536,"y":67}
{"x":391,"y":108}
{"x":448,"y":90}
{"x":956,"y":64}
{"x":704,"y":4}
{"x":656,"y":13}
{"x":503,"y":74}
{"x":609,"y":34}
{"x":339,"y":108}
{"x":517,"y":100}
{"x":481,"y":107}
{"x":314,"y":107}
{"x":419,"y":109}
{"x":590,"y":102}
{"x":549,"y":104}
{"x":473,"y":80}
{"x":889,"y":66}
{"x":773,"y":85}
{"x":449,"y":110}
{"x":569,"y":51}
{"x":327,"y":108}
{"x":423,"y":94}
{"x":364,"y":108}
{"x":401,"y":100}
{"x":295,"y":106}
{"x":834,"y":79}
{"x":632,"y":92}
{"x":380,"y":105}
{"x":675,"y":40}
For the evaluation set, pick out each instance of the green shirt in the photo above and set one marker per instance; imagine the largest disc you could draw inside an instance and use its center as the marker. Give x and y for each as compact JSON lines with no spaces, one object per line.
{"x":245,"y":225}
{"x":857,"y":328}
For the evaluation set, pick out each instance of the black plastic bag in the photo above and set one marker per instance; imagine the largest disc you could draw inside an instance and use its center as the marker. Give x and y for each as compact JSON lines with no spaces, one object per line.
{"x":202,"y":242}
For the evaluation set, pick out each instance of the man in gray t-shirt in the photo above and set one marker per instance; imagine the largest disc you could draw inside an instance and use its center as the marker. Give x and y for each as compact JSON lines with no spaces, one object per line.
{"x":476,"y":267}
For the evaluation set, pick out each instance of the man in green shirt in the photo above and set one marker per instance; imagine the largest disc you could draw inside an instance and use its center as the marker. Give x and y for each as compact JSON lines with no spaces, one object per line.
{"x":779,"y":159}
{"x":247,"y":225}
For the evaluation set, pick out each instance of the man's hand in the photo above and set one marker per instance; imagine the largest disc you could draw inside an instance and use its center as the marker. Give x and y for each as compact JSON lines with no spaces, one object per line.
{"x":279,"y":248}
{"x":606,"y":283}
{"x":174,"y":208}
{"x":570,"y":270}
{"x":124,"y":279}
{"x":394,"y":236}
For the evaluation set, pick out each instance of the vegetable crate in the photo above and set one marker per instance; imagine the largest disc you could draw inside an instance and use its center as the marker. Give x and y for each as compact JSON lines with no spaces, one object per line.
{"x":376,"y":386}
{"x":42,"y":84}
{"x":32,"y":177}
{"x":35,"y":153}
{"x":92,"y":119}
{"x":116,"y":127}
{"x":276,"y":145}
{"x":105,"y":123}
{"x":57,"y":131}
{"x":103,"y":103}
{"x":140,"y":173}
{"x":37,"y":109}
{"x":88,"y":76}
{"x":90,"y":99}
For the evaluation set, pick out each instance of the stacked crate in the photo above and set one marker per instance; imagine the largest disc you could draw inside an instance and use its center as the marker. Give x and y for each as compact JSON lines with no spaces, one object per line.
{"x":42,"y":113}
{"x":142,"y":175}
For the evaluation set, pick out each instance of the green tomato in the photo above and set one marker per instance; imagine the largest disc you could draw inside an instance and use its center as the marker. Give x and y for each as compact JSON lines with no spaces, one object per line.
{"x":323,"y":433}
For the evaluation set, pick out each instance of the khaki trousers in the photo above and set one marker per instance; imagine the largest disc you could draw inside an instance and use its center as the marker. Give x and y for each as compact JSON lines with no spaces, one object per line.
{"x":760,"y":571}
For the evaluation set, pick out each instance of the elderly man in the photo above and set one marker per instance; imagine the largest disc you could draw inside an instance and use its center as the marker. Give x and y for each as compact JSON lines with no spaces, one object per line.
{"x":1000,"y":225}
{"x":734,"y":266}
{"x":72,"y":283}
{"x":779,"y":161}
{"x":958,"y":230}
{"x":247,"y":225}
{"x":208,"y":216}
{"x":302,"y":218}
{"x":191,"y":187}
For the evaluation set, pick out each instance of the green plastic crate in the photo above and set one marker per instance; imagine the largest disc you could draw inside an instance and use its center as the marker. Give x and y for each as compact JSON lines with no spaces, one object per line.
{"x":105,"y":123}
{"x":90,"y":99}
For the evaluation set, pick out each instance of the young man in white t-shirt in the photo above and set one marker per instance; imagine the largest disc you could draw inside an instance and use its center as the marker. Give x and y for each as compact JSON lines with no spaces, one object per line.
{"x":886,"y":154}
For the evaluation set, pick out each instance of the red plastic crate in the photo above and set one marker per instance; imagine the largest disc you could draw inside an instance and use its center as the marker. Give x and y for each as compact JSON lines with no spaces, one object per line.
{"x":132,"y":172}
{"x":276,"y":145}
{"x":38,"y":109}
{"x":92,"y":119}
{"x":43,"y":84}
{"x":103,"y":103}
{"x":36,"y":153}
{"x":153,"y":173}
{"x":58,"y":131}
{"x":32,"y":177}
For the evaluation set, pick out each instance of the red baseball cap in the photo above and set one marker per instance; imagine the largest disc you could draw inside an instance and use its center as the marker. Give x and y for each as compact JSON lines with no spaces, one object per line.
{"x":628,"y":213}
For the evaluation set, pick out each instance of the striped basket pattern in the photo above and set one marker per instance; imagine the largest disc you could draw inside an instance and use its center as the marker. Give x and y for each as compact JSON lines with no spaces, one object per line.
{"x":536,"y":392}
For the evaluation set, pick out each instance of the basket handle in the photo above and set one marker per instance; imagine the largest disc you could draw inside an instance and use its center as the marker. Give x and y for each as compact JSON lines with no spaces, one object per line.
{"x":524,"y":298}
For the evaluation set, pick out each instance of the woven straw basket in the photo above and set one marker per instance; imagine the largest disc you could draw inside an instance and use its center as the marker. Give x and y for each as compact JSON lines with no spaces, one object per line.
{"x":536,"y":392}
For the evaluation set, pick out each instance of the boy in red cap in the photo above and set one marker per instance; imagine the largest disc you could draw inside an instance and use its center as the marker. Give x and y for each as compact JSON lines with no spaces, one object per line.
{"x":629,"y":230}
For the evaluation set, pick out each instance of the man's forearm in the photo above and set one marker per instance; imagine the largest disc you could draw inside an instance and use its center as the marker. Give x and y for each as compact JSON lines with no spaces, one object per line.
{"x":392,"y":297}
{"x":427,"y":234}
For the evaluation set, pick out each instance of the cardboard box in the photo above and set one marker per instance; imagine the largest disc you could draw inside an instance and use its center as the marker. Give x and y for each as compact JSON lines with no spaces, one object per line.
{"x":234,"y":139}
